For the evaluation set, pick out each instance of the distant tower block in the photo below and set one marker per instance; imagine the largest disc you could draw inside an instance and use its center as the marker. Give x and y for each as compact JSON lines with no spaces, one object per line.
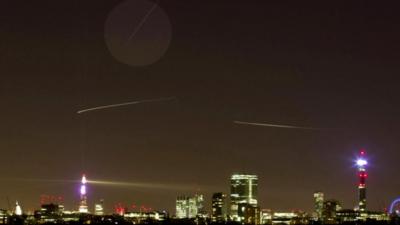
{"x":318,"y":205}
{"x":362,"y":176}
{"x":218,"y":214}
{"x":18,"y":209}
{"x":83,"y":208}
{"x":99,"y":208}
{"x":243,"y":191}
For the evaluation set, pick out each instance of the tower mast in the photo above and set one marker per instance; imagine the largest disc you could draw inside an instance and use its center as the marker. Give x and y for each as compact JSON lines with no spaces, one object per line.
{"x":83,"y":208}
{"x":362,"y":177}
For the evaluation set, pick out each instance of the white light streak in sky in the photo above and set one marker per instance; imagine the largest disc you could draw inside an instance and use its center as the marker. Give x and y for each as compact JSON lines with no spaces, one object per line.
{"x":124,"y":104}
{"x":277,"y":125}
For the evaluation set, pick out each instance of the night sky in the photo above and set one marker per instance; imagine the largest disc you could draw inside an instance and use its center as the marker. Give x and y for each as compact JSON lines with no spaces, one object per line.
{"x":327,"y":65}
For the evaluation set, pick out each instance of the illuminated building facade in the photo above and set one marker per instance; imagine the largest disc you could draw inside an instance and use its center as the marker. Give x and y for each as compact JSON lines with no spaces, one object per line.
{"x":139,"y":217}
{"x":181,"y":207}
{"x":243,"y":191}
{"x":18,"y":209}
{"x":248,"y":214}
{"x":189,"y":207}
{"x":283,"y":217}
{"x":349,"y":215}
{"x":289,"y":218}
{"x":83,"y":208}
{"x":218,"y":214}
{"x":99,"y":208}
{"x":362,"y":176}
{"x":318,"y":205}
{"x":49,"y":213}
{"x":3,"y":216}
{"x":331,"y":207}
{"x":266,"y":216}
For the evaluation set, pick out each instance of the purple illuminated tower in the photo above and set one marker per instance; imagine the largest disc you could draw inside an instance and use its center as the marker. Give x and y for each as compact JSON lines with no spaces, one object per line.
{"x":83,"y":208}
{"x":362,"y":176}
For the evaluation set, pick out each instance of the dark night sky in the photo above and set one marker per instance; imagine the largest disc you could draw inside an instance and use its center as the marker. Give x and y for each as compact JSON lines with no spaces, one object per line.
{"x":328,"y":65}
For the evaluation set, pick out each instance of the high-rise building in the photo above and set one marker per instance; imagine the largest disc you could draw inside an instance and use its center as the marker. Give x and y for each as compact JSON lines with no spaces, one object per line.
{"x":218,"y":214}
{"x":181,"y":207}
{"x":189,"y":207}
{"x":318,"y":205}
{"x":18,"y":209}
{"x":83,"y":208}
{"x":99,"y":208}
{"x":192,"y":207}
{"x":201,"y":212}
{"x":243,"y":191}
{"x":248,"y":214}
{"x":331,"y":207}
{"x":362,"y":177}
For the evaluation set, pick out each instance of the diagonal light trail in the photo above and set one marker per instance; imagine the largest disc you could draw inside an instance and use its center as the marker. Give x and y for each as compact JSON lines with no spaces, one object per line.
{"x":276,"y":125}
{"x":143,"y":21}
{"x":125,"y":104}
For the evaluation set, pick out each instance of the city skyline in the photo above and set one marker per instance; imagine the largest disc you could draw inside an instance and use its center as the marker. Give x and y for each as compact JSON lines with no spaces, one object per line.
{"x":287,"y":91}
{"x":241,"y":208}
{"x":243,"y":191}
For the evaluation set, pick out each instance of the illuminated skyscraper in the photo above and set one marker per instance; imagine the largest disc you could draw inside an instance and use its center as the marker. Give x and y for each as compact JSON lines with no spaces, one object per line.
{"x":181,"y":207}
{"x":318,"y":205}
{"x":362,"y":176}
{"x":331,"y":207}
{"x":243,"y":190}
{"x":248,"y":214}
{"x":199,"y":202}
{"x":83,"y":208}
{"x":18,"y":209}
{"x":218,"y":214}
{"x":99,"y":208}
{"x":189,"y":207}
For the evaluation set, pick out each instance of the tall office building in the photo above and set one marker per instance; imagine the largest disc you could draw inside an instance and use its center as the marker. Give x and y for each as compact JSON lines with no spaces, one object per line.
{"x":362,"y":176}
{"x":181,"y":207}
{"x":83,"y":208}
{"x":189,"y":207}
{"x":331,"y":207}
{"x":99,"y":208}
{"x":249,"y":214}
{"x":318,"y":205}
{"x":218,"y":214}
{"x":18,"y":209}
{"x":200,"y":211}
{"x":243,"y":191}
